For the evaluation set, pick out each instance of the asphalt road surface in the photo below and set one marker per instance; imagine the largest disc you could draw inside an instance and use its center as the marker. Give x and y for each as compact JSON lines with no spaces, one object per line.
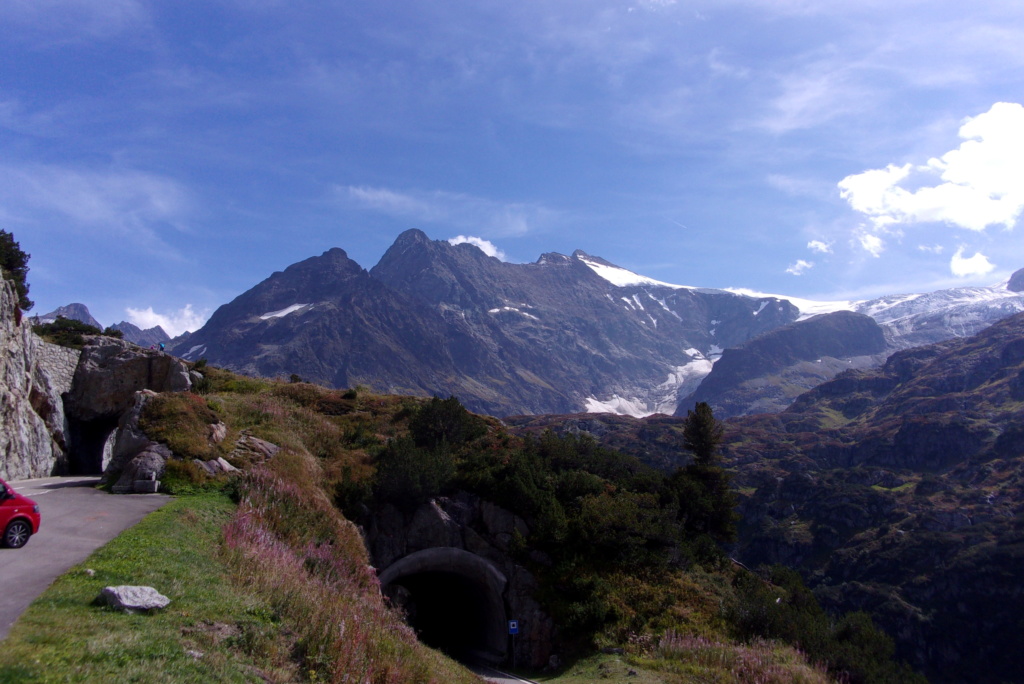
{"x":497,"y":676}
{"x":77,"y":520}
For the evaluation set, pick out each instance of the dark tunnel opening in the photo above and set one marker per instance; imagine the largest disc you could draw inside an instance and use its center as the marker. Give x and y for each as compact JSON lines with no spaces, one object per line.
{"x":450,"y":612}
{"x":87,"y":439}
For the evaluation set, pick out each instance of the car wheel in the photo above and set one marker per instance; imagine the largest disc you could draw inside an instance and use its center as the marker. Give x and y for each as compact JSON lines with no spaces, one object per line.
{"x":16,"y":534}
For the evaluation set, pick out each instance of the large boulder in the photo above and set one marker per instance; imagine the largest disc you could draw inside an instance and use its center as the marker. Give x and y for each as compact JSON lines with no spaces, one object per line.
{"x":132,"y":599}
{"x":111,"y":371}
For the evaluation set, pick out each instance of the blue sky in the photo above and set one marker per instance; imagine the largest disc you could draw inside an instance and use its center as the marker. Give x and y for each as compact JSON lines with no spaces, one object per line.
{"x":159,"y":158}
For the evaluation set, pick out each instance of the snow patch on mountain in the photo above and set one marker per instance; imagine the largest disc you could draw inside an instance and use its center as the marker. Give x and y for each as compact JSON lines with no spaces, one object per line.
{"x":283,"y":312}
{"x":512,"y":309}
{"x":194,"y":353}
{"x":808,"y":307}
{"x":620,"y":277}
{"x":681,"y":381}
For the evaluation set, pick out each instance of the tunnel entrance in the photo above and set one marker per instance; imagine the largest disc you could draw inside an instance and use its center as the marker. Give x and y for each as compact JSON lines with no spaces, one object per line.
{"x":86,"y":443}
{"x":453,"y":599}
{"x":447,"y":611}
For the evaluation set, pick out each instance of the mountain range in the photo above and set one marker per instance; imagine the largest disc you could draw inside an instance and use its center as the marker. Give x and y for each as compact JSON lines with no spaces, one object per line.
{"x":565,"y":333}
{"x":130,"y":332}
{"x":560,"y":335}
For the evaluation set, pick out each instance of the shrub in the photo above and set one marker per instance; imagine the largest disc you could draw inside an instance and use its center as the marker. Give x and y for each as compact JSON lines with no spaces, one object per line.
{"x":445,"y":422}
{"x":408,"y":476}
{"x":67,"y":332}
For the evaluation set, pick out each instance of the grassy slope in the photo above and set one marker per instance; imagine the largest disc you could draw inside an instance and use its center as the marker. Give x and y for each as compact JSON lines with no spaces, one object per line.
{"x":65,"y":637}
{"x":278,"y":590}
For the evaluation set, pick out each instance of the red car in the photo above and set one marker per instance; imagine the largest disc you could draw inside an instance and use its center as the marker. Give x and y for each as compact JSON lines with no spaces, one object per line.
{"x":19,"y":517}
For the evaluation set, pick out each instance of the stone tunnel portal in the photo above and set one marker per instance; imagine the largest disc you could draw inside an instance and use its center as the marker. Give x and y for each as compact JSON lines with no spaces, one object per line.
{"x":87,"y":441}
{"x":454,"y":600}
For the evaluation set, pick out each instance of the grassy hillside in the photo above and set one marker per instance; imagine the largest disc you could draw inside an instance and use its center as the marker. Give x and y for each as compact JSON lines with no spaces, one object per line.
{"x":630,"y":560}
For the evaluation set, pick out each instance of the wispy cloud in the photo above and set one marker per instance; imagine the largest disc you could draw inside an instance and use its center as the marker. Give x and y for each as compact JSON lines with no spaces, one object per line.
{"x":977,"y":185}
{"x":822,"y":91}
{"x":819,"y":247}
{"x":799,"y":267}
{"x":492,"y":218}
{"x":871,"y":243}
{"x":124,"y":204}
{"x":64,"y":20}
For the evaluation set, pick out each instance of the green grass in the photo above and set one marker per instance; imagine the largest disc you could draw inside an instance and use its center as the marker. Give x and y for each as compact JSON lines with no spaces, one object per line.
{"x":211,"y":631}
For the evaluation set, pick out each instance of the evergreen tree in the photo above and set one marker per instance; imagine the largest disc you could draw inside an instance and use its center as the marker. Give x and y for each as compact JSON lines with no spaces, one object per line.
{"x":702,"y":433}
{"x":706,"y":502}
{"x":14,"y":266}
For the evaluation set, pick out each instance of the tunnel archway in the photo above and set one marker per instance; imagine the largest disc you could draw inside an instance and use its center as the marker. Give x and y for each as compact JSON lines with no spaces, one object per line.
{"x":453,"y":599}
{"x":88,"y":438}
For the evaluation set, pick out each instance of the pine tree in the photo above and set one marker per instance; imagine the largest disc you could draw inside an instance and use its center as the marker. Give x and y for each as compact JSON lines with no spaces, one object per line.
{"x":702,"y":433}
{"x":14,"y":266}
{"x":707,"y":505}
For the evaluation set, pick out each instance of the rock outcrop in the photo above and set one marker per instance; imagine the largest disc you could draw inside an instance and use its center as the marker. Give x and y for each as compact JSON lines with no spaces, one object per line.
{"x":108,"y":376}
{"x":33,"y":375}
{"x":111,"y":371}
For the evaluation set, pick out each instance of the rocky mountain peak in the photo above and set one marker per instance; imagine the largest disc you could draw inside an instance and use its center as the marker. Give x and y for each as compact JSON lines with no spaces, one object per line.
{"x":1016,"y":283}
{"x":74,"y":311}
{"x":553,"y":259}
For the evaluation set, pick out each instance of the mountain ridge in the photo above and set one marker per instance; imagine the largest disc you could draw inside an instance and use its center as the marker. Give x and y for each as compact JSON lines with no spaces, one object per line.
{"x":562,"y":334}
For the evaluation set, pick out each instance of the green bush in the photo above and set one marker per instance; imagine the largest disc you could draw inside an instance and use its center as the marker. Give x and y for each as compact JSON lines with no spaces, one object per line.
{"x":67,"y":332}
{"x":408,"y":476}
{"x":445,"y":422}
{"x":776,"y":604}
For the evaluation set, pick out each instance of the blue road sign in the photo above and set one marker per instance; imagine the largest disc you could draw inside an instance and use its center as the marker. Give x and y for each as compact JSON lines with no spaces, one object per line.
{"x":513,"y":626}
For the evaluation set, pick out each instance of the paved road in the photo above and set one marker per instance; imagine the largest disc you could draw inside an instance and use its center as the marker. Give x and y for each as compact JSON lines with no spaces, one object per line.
{"x":77,"y":520}
{"x":497,"y":676}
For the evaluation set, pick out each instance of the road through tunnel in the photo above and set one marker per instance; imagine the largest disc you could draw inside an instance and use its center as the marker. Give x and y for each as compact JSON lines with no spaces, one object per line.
{"x":88,"y":438}
{"x":454,"y":600}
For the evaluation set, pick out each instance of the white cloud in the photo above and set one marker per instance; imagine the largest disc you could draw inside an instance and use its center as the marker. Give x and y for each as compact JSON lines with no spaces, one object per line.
{"x":872,"y":244}
{"x":977,"y":265}
{"x":453,"y":209}
{"x":820,"y":247}
{"x":931,"y":249}
{"x":799,"y":267}
{"x":982,"y":181}
{"x":173,"y":323}
{"x":485,"y":246}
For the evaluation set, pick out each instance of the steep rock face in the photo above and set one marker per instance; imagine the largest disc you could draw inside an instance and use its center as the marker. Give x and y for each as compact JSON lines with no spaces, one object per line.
{"x":766,"y":373}
{"x":1016,"y":282}
{"x":32,"y":424}
{"x":327,"y":321}
{"x":111,"y":371}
